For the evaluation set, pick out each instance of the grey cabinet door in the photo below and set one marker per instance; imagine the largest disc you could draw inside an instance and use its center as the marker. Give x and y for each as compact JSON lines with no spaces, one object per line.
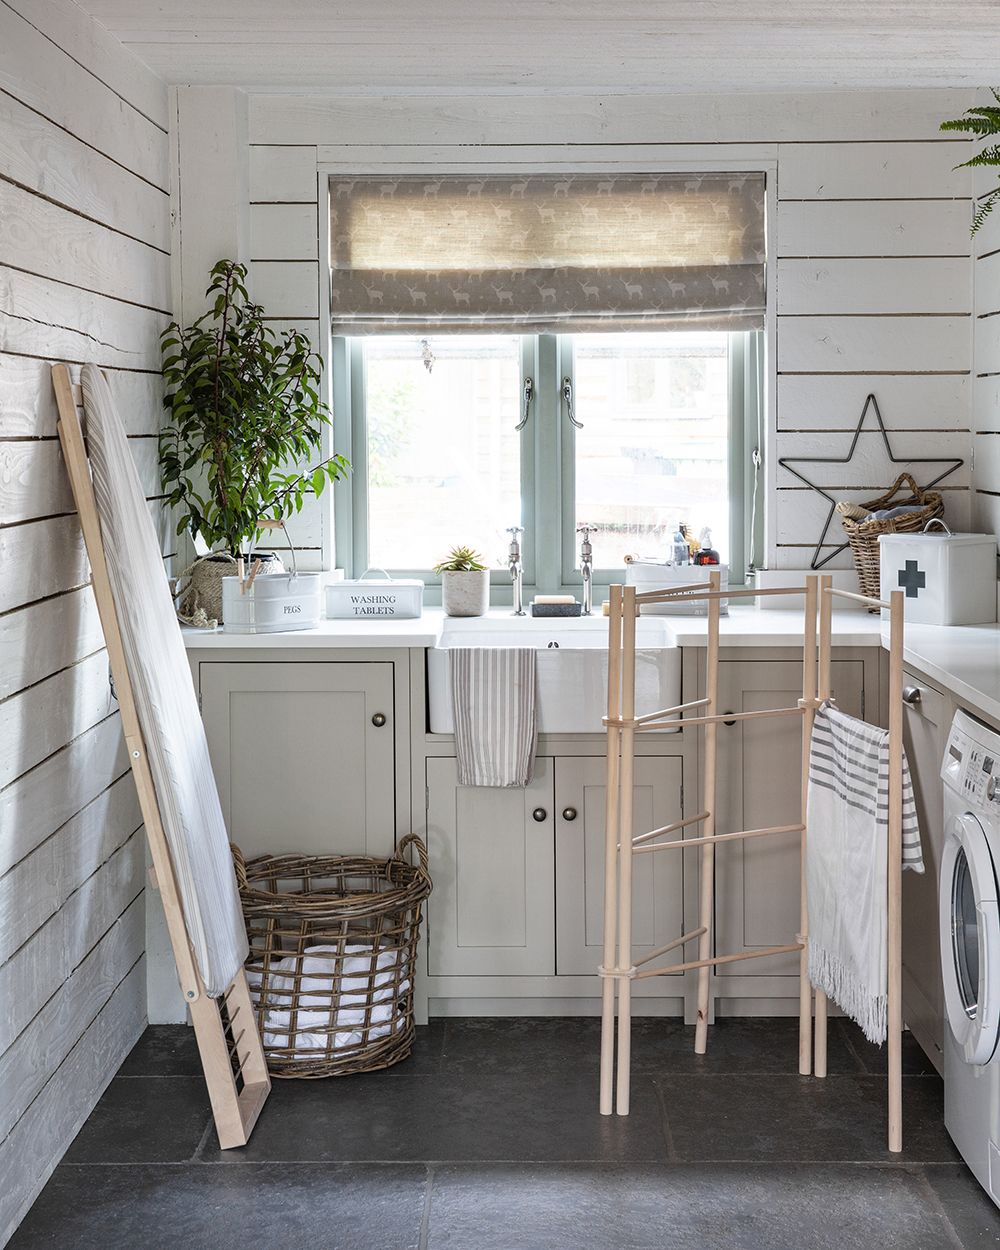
{"x":925,"y":731}
{"x":299,"y":762}
{"x":759,"y":785}
{"x":657,"y":880}
{"x":491,"y":857}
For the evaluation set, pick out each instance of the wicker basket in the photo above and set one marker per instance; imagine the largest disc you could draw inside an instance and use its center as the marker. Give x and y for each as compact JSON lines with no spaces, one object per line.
{"x":863,"y":536}
{"x":347,"y":1007}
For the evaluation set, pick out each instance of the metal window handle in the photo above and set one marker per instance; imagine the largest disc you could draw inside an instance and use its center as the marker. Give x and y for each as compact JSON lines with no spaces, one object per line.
{"x":567,"y":394}
{"x":378,"y":720}
{"x":569,"y":813}
{"x":527,"y":395}
{"x":912,"y":695}
{"x":539,"y":814}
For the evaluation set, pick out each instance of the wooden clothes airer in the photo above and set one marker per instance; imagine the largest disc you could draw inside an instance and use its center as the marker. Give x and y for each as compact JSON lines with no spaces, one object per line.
{"x":228,"y":1040}
{"x":619,"y":968}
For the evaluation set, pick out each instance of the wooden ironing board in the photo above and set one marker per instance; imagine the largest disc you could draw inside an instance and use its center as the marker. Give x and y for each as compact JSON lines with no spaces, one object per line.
{"x":229,"y":1043}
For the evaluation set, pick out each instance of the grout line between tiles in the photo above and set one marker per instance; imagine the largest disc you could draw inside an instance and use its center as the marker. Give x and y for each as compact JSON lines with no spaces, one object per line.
{"x":935,"y":1201}
{"x":425,"y":1216}
{"x":668,"y":1137}
{"x":202,"y":1142}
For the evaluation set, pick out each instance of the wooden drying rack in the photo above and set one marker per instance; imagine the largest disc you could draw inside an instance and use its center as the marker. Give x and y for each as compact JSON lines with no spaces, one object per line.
{"x":619,"y":969}
{"x":225,"y":1028}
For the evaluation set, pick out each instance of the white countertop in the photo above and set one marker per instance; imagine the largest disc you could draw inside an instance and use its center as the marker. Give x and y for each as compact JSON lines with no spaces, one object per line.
{"x":743,"y":627}
{"x":964,"y":659}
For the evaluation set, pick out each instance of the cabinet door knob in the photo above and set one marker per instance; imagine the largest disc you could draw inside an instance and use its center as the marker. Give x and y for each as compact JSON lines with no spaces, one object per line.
{"x":912,"y":695}
{"x":539,"y":814}
{"x":378,"y":720}
{"x":569,"y":813}
{"x":728,"y":712}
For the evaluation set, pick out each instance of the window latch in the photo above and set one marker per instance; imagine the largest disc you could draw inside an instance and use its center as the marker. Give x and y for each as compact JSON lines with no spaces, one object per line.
{"x":527,"y":395}
{"x":567,"y":394}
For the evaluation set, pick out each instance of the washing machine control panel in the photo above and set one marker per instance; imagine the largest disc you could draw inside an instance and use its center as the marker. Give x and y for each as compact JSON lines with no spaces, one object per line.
{"x":971,"y":764}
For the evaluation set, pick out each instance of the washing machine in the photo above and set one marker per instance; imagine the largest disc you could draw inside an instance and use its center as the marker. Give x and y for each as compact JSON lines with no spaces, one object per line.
{"x":970,"y":946}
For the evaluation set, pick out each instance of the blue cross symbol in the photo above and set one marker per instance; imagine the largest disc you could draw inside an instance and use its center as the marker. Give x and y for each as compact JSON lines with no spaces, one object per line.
{"x":912,"y":579}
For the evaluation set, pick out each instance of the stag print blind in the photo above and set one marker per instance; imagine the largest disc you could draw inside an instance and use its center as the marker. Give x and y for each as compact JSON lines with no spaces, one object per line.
{"x":533,"y":254}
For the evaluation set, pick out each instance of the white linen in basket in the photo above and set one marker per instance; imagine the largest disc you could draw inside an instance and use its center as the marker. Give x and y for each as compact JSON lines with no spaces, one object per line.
{"x":165,"y":700}
{"x":345,"y":1017}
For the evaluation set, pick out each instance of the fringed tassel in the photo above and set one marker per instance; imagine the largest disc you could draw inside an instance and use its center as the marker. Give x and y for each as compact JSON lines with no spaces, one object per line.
{"x":842,"y":986}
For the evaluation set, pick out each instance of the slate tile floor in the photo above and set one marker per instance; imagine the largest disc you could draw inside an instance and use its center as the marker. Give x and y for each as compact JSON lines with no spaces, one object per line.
{"x":488,"y":1139}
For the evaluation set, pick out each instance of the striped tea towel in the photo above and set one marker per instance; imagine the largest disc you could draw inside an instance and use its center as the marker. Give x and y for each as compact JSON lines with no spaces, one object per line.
{"x":496,"y":725}
{"x":847,"y":869}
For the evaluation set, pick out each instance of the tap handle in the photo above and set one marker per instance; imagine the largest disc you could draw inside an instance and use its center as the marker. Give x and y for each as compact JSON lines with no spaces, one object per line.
{"x":515,"y":532}
{"x":586,"y":550}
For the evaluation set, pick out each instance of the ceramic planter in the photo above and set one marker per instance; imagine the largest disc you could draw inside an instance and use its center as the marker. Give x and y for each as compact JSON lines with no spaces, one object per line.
{"x":466,"y":592}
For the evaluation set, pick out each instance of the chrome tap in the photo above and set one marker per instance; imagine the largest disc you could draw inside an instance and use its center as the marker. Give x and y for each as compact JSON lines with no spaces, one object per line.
{"x":587,"y":568}
{"x":515,"y":567}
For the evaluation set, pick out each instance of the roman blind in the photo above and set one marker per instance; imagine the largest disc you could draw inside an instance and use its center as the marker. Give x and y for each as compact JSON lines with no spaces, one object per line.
{"x":539,"y":253}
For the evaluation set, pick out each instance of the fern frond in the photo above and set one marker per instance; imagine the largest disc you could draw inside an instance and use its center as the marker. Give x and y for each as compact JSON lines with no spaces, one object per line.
{"x":988,"y":156}
{"x":974,"y":125}
{"x":984,"y":209}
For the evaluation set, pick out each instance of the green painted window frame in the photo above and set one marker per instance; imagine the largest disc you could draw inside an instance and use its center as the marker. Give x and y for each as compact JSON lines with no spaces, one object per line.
{"x":550,"y":548}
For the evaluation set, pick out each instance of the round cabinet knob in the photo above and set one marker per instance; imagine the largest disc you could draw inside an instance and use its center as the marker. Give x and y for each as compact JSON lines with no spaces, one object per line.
{"x":912,"y":695}
{"x":569,"y":813}
{"x":728,"y":712}
{"x":539,"y":814}
{"x":378,"y":720}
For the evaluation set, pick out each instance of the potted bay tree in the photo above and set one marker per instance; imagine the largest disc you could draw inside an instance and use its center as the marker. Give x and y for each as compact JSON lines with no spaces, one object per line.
{"x":241,"y":439}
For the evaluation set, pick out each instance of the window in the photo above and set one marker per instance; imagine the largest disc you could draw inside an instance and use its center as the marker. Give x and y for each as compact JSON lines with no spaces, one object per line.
{"x":438,"y":459}
{"x":545,"y":351}
{"x":440,"y":446}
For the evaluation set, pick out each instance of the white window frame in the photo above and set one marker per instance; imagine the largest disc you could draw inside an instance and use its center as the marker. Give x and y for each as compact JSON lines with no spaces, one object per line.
{"x":546,"y":513}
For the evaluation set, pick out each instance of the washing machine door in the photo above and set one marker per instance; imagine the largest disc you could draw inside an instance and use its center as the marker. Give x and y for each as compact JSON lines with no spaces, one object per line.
{"x":970,"y":939}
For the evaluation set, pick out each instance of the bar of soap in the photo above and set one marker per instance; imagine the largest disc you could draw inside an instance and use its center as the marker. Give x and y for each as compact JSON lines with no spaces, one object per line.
{"x":554,"y":599}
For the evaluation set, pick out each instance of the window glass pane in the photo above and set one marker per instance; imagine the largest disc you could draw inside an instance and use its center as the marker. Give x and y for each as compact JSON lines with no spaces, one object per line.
{"x":654,"y":446}
{"x":443,"y":454}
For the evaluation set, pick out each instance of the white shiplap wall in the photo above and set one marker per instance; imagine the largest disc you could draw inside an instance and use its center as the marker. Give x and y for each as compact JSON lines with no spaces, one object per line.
{"x":872,"y":272}
{"x":986,"y":361}
{"x":84,"y":277}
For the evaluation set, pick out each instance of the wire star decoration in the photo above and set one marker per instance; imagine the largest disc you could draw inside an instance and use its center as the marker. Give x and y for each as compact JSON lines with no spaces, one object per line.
{"x":871,"y":402}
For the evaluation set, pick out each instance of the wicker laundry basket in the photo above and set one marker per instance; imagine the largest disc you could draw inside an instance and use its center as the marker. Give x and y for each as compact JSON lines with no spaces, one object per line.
{"x":863,"y":536}
{"x":333,"y":952}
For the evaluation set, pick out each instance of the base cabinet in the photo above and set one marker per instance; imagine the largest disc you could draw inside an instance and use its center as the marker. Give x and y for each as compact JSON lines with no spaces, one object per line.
{"x":519,"y":874}
{"x":491,"y":858}
{"x":303,"y":754}
{"x":657,"y":880}
{"x":759,"y":785}
{"x":926,"y":722}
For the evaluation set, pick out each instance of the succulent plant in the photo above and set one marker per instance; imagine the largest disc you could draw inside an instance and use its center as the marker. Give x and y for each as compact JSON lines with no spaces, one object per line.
{"x":461,"y":560}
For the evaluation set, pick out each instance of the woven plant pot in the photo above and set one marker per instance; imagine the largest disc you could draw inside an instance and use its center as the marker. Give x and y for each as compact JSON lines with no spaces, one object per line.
{"x":203,"y":588}
{"x":333,"y":954}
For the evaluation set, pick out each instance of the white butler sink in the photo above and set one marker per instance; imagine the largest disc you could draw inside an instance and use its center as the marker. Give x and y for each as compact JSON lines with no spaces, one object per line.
{"x":572,"y":667}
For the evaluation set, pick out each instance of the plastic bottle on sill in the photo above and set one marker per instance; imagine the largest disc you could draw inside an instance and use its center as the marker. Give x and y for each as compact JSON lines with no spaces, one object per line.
{"x":680,"y":546}
{"x":707,"y":553}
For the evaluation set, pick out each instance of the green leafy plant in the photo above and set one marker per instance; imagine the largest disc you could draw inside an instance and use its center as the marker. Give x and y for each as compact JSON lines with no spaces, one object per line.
{"x":461,"y":560}
{"x":243,"y":413}
{"x":983,"y":122}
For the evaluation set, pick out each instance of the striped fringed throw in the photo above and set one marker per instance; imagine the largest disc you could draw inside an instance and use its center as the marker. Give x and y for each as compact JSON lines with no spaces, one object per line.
{"x":493,"y":703}
{"x":847,"y":863}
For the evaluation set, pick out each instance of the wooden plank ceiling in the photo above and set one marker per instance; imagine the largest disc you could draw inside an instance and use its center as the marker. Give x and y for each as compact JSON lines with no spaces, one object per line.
{"x":357,"y":47}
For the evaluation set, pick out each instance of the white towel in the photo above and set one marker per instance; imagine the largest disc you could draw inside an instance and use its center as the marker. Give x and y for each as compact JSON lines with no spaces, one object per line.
{"x":847,"y":868}
{"x":338,"y":1022}
{"x":496,"y":722}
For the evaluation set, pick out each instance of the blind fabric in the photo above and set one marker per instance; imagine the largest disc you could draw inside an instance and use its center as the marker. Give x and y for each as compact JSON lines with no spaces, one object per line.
{"x":543,"y":253}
